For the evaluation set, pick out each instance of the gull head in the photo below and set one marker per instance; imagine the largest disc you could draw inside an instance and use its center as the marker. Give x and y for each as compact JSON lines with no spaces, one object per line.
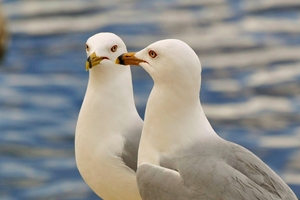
{"x":167,"y":61}
{"x":103,"y":47}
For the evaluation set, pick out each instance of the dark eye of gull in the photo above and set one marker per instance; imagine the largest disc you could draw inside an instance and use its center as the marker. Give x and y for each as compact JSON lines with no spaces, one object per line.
{"x":152,"y":54}
{"x":114,"y":48}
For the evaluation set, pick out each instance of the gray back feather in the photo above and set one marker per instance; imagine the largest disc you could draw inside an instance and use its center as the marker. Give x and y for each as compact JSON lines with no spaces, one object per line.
{"x":132,"y":140}
{"x":222,"y":171}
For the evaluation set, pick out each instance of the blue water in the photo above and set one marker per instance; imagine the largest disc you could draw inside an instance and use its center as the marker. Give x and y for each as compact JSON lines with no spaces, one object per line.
{"x":250,"y":54}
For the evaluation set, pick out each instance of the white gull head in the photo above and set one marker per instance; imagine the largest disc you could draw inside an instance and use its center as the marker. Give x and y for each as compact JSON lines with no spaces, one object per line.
{"x":171,"y":61}
{"x":105,"y":46}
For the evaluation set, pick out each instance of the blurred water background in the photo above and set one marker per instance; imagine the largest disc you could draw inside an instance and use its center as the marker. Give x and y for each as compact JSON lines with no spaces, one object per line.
{"x":249,"y":50}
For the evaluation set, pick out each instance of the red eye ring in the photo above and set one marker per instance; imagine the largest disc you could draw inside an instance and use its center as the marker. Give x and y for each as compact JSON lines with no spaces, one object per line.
{"x":87,"y":47}
{"x":152,"y":54}
{"x":114,"y":48}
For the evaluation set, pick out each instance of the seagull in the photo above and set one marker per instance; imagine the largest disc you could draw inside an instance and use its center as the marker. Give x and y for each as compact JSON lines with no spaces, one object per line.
{"x":109,"y":127}
{"x":180,"y":155}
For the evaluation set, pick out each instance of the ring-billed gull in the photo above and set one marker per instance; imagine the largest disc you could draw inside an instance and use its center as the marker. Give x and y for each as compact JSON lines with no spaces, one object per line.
{"x":109,"y":127}
{"x":180,"y":155}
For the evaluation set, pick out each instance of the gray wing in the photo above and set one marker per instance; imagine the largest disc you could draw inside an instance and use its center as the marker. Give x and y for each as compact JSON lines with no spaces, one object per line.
{"x":256,"y":170}
{"x":222,"y":172}
{"x":156,"y":182}
{"x":132,"y":140}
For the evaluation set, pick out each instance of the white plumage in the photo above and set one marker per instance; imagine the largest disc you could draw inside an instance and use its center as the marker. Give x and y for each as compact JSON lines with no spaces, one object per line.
{"x":109,"y":127}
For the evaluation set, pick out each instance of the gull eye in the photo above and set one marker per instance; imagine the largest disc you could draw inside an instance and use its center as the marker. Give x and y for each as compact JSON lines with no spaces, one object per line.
{"x":87,"y":47}
{"x":152,"y":54}
{"x":114,"y":48}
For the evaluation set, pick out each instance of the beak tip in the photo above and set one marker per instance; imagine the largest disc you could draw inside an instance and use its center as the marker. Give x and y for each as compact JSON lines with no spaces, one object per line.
{"x":120,"y":60}
{"x":87,"y":66}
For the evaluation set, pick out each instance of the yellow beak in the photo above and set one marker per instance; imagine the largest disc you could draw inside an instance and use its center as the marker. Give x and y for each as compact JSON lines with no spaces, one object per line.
{"x":128,"y":59}
{"x":92,"y":61}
